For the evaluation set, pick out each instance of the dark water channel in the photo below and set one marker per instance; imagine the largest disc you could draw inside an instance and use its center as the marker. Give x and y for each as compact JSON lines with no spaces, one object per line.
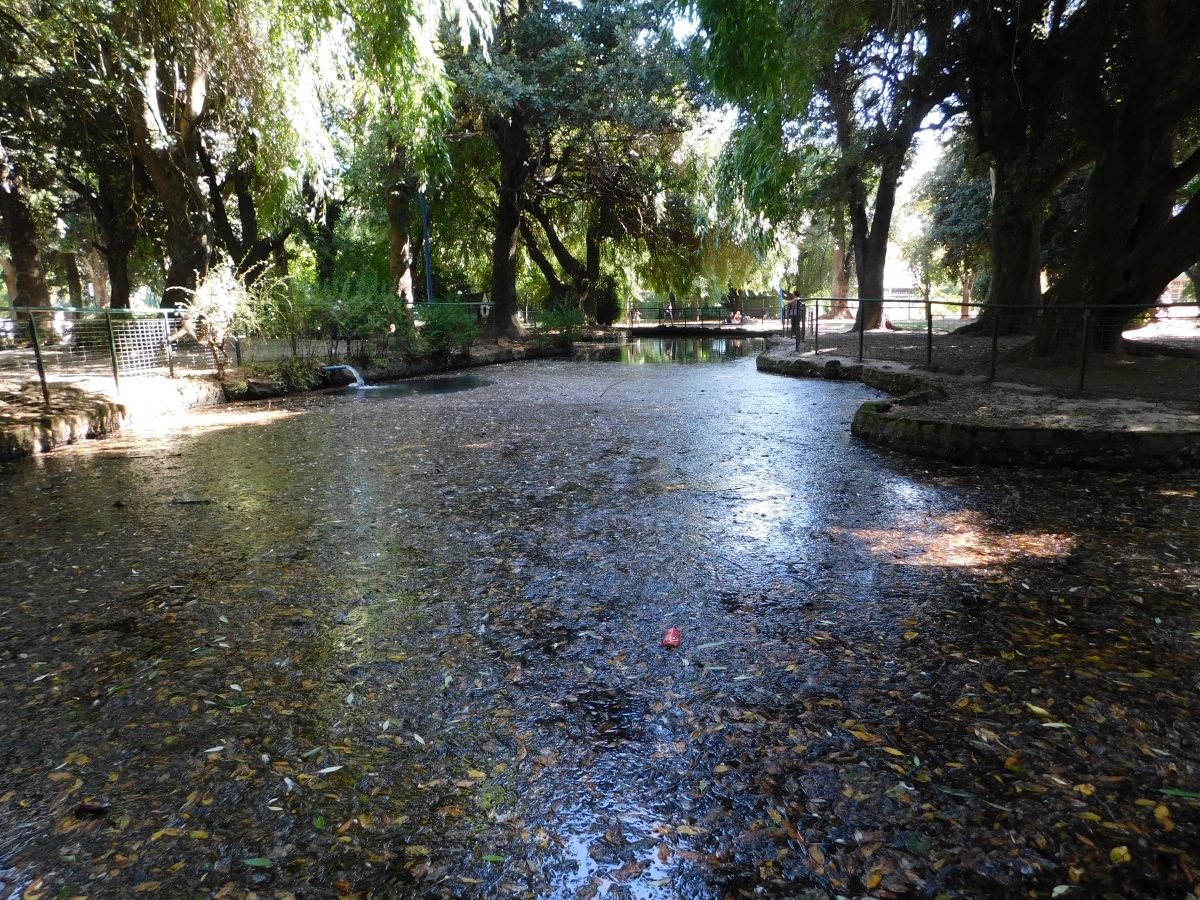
{"x":411,"y":647}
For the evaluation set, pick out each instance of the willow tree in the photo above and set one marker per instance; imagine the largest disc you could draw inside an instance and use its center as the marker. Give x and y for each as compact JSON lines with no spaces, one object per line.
{"x":402,"y":101}
{"x":855,"y":79}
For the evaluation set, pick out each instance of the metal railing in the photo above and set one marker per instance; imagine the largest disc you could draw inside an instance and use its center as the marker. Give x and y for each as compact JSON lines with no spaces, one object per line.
{"x":1078,"y":347}
{"x":755,"y":311}
{"x":72,"y":344}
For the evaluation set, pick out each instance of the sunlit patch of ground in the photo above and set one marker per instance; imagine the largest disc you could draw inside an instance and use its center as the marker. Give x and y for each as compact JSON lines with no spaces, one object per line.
{"x":958,"y":541}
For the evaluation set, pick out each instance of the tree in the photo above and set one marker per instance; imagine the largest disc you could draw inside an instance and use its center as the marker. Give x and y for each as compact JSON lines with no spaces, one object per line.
{"x":569,"y":93}
{"x":1132,"y":97}
{"x":953,"y":200}
{"x":18,"y":229}
{"x":1015,"y":59}
{"x":853,"y":77}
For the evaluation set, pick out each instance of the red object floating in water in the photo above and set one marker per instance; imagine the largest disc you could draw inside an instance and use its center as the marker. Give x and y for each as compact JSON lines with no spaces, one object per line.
{"x":672,"y":637}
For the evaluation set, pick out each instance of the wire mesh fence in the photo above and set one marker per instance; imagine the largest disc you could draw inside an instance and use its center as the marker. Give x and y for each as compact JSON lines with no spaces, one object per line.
{"x":59,"y":344}
{"x":751,"y":311}
{"x":1138,"y":351}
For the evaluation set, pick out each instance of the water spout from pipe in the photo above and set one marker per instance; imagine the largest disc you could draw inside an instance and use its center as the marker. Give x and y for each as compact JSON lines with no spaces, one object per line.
{"x":358,"y":379}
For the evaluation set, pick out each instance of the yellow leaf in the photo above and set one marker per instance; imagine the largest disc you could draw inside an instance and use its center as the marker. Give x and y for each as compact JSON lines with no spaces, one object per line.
{"x":721,"y":769}
{"x":911,"y":635}
{"x":1119,"y":855}
{"x":475,"y":773}
{"x":1038,"y":711}
{"x":873,"y":880}
{"x":691,"y":830}
{"x":1086,"y":789}
{"x":1090,"y":816}
{"x":198,"y":834}
{"x":864,"y":736}
{"x":893,"y":751}
{"x":817,"y":856}
{"x":147,"y":886}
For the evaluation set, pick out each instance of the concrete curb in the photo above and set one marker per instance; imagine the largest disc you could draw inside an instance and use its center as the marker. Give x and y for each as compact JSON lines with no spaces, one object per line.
{"x":927,"y":435}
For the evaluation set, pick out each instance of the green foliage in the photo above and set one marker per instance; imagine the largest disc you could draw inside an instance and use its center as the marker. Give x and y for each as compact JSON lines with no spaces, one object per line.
{"x":449,"y":326}
{"x":608,"y":305}
{"x":298,"y":373}
{"x":562,"y":325}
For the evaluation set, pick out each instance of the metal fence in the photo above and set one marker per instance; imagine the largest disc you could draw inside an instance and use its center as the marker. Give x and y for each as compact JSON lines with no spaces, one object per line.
{"x":754,"y":310}
{"x":57,"y":344}
{"x":1140,"y":351}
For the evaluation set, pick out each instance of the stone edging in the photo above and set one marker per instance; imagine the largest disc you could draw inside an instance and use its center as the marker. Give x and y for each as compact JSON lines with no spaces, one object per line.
{"x":263,"y":389}
{"x":927,"y":436}
{"x":58,"y":427}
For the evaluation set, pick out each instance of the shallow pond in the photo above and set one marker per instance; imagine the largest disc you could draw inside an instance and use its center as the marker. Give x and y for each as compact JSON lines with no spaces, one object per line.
{"x":412,"y":646}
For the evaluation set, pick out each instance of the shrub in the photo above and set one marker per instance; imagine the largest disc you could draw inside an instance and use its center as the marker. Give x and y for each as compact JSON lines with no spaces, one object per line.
{"x":449,"y":326}
{"x":561,"y":327}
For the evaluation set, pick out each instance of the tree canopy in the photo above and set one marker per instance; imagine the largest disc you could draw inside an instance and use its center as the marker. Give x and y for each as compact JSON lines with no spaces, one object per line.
{"x":575,"y":154}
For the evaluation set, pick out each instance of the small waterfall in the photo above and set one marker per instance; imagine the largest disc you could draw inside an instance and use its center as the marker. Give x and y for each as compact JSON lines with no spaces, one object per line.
{"x":358,"y":379}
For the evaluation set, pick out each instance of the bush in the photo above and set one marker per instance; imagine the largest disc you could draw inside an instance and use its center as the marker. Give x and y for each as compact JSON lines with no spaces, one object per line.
{"x":561,"y":327}
{"x":449,"y":326}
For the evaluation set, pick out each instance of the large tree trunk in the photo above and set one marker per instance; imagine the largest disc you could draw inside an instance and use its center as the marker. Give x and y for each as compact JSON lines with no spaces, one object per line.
{"x":112,"y":204}
{"x":840,"y":308}
{"x":18,"y":228}
{"x":1128,"y":252}
{"x":70,"y":268}
{"x":10,"y":279}
{"x":870,"y":241}
{"x":558,"y":288}
{"x":399,"y":205}
{"x":1131,"y":244}
{"x":510,"y":132}
{"x":172,"y":161}
{"x":97,"y":267}
{"x":117,"y":259}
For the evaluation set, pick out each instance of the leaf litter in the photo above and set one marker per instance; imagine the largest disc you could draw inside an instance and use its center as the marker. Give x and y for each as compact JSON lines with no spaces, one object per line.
{"x":945,"y":683}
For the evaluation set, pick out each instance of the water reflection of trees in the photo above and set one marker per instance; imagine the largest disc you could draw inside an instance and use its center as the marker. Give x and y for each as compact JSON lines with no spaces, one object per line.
{"x":649,"y":351}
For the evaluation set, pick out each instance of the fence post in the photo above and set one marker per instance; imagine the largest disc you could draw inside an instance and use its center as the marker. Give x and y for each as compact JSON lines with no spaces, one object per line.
{"x":995,"y":340}
{"x":862,"y":329}
{"x":37,"y":355}
{"x":803,"y":321}
{"x":816,"y":327}
{"x":237,"y":350}
{"x":112,"y":349}
{"x":1083,"y":349}
{"x":928,"y":333}
{"x":167,"y":343}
